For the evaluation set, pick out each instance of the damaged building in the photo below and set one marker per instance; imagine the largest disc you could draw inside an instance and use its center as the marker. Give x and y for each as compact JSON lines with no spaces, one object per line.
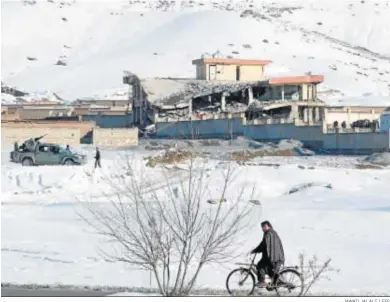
{"x":234,"y":97}
{"x":171,"y":99}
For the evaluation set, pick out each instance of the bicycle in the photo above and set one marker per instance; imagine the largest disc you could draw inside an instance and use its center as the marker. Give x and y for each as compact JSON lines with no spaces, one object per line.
{"x":247,"y":272}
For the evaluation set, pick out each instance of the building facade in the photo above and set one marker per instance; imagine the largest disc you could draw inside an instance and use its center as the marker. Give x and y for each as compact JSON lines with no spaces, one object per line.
{"x":223,"y":69}
{"x":350,"y":114}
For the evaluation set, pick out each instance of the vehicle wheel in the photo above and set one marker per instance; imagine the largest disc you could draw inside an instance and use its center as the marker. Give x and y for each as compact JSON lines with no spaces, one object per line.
{"x":68,"y":162}
{"x":240,"y":282}
{"x":289,"y":283}
{"x":27,"y":162}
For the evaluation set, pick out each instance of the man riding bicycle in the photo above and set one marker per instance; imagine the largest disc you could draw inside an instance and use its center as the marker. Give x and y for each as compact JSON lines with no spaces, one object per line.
{"x":272,"y":254}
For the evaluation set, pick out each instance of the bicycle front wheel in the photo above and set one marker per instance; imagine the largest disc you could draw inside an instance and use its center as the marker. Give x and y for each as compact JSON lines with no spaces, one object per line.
{"x":240,"y":282}
{"x":289,"y":283}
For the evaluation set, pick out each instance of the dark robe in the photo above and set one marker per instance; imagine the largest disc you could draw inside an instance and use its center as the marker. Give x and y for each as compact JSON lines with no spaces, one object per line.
{"x":271,"y":247}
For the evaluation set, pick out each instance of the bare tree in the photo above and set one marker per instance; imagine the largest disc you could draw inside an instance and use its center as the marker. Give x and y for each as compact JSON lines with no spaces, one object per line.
{"x":166,"y":226}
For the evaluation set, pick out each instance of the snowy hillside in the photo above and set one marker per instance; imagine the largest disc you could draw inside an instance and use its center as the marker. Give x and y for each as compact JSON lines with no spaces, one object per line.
{"x":80,"y":47}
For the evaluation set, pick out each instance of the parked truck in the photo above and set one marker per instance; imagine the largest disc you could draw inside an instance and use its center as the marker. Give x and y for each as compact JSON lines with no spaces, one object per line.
{"x":33,"y":152}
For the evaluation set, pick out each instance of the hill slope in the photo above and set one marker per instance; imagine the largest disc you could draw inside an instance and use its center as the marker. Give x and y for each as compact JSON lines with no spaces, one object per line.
{"x":348,"y":42}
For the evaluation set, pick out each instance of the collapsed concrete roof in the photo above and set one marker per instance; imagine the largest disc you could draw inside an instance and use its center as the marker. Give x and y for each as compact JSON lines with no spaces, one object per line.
{"x":176,"y":93}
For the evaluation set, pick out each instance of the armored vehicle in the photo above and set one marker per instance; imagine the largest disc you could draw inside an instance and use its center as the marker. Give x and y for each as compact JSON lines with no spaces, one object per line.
{"x":33,"y":152}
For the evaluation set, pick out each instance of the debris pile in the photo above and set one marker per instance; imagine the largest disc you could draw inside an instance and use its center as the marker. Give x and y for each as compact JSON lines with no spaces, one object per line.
{"x":169,"y":157}
{"x":379,"y":159}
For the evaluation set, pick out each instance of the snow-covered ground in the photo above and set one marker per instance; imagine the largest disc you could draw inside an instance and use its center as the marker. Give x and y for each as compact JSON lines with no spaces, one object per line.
{"x":347,"y":41}
{"x":44,"y":241}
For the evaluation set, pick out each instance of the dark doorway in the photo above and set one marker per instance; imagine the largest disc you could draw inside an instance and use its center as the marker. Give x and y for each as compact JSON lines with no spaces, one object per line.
{"x":237,"y":73}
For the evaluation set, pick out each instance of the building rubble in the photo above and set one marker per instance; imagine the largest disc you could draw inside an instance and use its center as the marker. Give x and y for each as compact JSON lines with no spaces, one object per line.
{"x":177,"y":93}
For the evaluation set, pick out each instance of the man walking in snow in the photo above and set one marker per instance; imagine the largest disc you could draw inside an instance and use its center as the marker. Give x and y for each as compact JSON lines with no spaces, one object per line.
{"x":97,"y":158}
{"x":272,"y":254}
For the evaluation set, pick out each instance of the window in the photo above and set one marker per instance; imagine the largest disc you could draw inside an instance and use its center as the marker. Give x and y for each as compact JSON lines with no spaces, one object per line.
{"x":291,"y":92}
{"x":44,"y":148}
{"x":54,"y":149}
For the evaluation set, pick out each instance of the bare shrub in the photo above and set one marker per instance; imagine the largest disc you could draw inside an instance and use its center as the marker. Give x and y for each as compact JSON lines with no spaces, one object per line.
{"x":166,"y":225}
{"x":312,"y":272}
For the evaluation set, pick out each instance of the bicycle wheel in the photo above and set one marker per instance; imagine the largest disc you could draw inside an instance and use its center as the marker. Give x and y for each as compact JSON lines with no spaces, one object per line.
{"x":240,"y":282}
{"x":289,"y":283}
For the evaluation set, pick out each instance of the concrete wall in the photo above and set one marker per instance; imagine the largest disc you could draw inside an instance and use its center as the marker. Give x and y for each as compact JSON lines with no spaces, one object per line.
{"x":83,"y":126}
{"x":357,"y":143}
{"x":115,"y":137}
{"x":210,"y":128}
{"x":202,"y":72}
{"x":110,"y":121}
{"x":350,"y":115}
{"x":312,"y":136}
{"x":228,"y":72}
{"x":309,"y":135}
{"x":41,"y":113}
{"x":59,"y":135}
{"x":225,"y":72}
{"x":7,"y":116}
{"x":331,"y":117}
{"x":251,"y":73}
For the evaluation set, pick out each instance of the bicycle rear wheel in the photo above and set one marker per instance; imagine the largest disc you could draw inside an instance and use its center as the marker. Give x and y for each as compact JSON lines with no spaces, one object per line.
{"x":289,"y":283}
{"x":240,"y":282}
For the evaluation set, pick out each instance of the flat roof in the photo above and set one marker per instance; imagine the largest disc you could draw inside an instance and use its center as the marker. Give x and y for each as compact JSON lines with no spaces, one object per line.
{"x":227,"y":61}
{"x":308,"y":79}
